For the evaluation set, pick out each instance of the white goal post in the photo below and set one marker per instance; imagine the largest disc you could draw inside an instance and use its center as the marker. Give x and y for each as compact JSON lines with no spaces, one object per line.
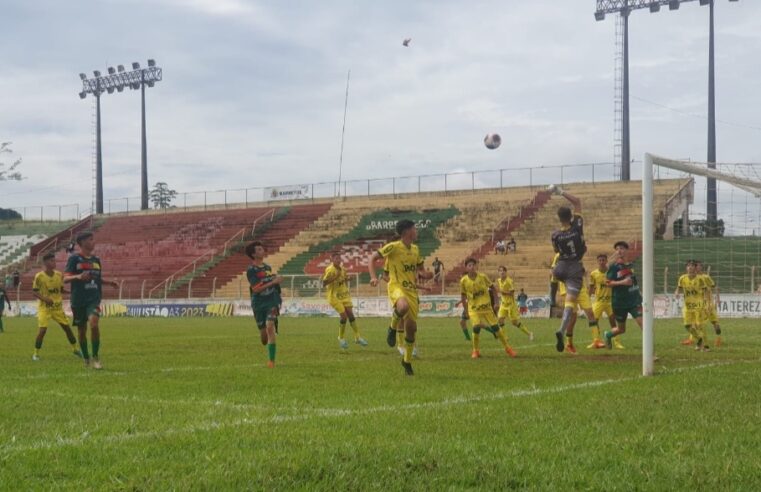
{"x":752,"y":186}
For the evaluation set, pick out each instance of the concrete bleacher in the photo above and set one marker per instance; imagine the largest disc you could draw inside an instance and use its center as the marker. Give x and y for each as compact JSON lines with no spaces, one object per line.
{"x":141,"y":251}
{"x":14,"y":247}
{"x":295,"y":219}
{"x":357,"y":226}
{"x":144,"y":251}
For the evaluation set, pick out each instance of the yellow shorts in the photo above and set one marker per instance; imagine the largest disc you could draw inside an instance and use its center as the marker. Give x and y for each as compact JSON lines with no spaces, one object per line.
{"x":412,"y":299}
{"x":583,"y":300}
{"x":692,"y":316}
{"x":602,"y":307}
{"x":482,"y":318}
{"x":44,"y":315}
{"x":508,"y":311}
{"x":340,"y":305}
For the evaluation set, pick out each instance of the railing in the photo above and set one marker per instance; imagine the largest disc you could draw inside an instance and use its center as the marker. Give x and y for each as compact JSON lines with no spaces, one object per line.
{"x":252,"y":197}
{"x":167,"y":283}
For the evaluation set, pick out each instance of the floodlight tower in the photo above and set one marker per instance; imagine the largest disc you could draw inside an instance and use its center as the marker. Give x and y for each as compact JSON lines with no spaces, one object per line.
{"x":117,"y":79}
{"x":624,"y":8}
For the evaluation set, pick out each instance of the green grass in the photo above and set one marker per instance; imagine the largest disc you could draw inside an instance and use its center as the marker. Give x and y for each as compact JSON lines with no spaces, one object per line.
{"x":730,"y":260}
{"x":189,"y":405}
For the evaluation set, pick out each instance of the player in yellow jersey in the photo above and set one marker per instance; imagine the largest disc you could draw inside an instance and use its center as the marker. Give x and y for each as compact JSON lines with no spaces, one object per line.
{"x":335,"y":279}
{"x":47,"y":287}
{"x":476,"y":291}
{"x":603,"y":301}
{"x":711,"y":303}
{"x":405,"y":266}
{"x":508,"y":308}
{"x":395,"y":329}
{"x":694,"y":304}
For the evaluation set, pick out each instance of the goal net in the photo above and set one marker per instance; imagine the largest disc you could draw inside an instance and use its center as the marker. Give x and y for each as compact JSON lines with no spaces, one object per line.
{"x":724,"y":233}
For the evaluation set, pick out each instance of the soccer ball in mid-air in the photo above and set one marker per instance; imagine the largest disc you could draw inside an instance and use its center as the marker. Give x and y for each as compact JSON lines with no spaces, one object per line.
{"x":555,"y":189}
{"x":492,"y":141}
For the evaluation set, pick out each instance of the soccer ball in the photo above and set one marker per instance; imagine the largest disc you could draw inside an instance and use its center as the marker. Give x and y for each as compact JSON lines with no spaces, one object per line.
{"x":492,"y":141}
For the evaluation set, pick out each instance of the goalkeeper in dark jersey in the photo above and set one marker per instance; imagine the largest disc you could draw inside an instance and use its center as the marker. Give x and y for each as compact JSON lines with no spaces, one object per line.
{"x":568,"y":242}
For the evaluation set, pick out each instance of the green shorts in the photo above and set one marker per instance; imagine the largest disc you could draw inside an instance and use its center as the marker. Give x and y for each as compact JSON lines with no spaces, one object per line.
{"x":82,"y":313}
{"x":622,"y":313}
{"x":266,"y":311}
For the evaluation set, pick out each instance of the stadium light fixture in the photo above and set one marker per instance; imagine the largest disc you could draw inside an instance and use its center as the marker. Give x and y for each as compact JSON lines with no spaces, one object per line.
{"x":625,"y":8}
{"x":116,"y":80}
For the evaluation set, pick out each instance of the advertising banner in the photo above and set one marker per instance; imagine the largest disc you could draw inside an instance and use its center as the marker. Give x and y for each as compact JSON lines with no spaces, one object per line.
{"x":665,"y":306}
{"x":294,"y":192}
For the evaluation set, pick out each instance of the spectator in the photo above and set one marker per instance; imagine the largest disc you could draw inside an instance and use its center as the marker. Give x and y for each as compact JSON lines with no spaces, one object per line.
{"x":511,"y":246}
{"x":501,"y":247}
{"x":438,"y":267}
{"x":522,"y":302}
{"x":8,"y":280}
{"x":16,"y":278}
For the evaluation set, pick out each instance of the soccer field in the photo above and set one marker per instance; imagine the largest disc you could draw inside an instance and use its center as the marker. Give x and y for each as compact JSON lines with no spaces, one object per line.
{"x":188,"y":404}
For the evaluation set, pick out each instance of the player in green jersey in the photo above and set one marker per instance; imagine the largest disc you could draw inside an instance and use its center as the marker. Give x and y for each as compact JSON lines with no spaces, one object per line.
{"x":265,"y":297}
{"x":626,"y":296}
{"x":84,"y":271}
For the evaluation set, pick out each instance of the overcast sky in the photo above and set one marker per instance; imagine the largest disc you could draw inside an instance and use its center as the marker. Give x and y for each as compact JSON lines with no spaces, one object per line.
{"x":253,"y":92}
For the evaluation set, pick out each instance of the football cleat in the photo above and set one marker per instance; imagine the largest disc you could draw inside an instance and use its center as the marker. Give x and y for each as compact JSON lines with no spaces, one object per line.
{"x":686,"y":341}
{"x":570,"y":349}
{"x":531,"y":336}
{"x":271,"y":364}
{"x":343,"y":343}
{"x":401,"y":351}
{"x":408,"y":368}
{"x":699,"y":345}
{"x":560,"y":345}
{"x":35,"y":357}
{"x":96,"y":364}
{"x":414,"y":352}
{"x":361,"y":341}
{"x":475,"y":354}
{"x":77,"y":353}
{"x":391,"y":337}
{"x":608,"y":337}
{"x":509,"y":351}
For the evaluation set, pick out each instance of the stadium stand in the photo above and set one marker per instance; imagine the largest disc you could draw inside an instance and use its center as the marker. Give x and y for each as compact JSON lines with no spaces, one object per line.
{"x":198,"y":253}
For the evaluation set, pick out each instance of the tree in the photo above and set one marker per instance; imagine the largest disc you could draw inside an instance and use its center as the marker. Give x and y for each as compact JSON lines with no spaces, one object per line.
{"x":9,"y":174}
{"x":162,"y":196}
{"x":8,"y":214}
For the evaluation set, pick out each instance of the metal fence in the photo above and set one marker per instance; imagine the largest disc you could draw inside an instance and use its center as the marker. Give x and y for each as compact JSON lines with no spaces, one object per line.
{"x":254,"y":197}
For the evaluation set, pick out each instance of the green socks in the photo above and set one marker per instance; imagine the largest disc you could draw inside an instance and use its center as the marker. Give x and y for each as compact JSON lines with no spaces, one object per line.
{"x":271,"y":351}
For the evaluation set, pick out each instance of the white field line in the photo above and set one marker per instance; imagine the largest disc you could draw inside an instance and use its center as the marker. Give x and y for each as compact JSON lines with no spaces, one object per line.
{"x":14,"y":446}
